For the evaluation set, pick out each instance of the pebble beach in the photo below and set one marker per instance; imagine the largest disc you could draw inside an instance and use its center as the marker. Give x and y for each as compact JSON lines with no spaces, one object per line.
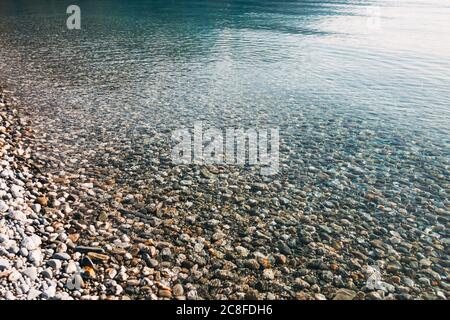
{"x":93,"y":207}
{"x":66,"y":235}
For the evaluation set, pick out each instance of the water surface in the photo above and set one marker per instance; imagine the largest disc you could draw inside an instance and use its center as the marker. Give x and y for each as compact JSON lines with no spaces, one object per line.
{"x":343,"y":91}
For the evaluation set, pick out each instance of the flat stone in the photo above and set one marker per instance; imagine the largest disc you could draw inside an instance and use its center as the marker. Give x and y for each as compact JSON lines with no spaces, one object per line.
{"x":31,"y":273}
{"x":373,"y":296}
{"x":84,"y":249}
{"x":344,"y":294}
{"x":393,"y":267}
{"x":98,"y":257}
{"x":165,"y":293}
{"x":33,"y":294}
{"x":61,"y":256}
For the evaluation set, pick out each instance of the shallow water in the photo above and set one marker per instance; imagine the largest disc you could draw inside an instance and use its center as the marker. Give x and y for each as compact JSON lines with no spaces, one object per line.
{"x":342,"y":90}
{"x":362,"y":108}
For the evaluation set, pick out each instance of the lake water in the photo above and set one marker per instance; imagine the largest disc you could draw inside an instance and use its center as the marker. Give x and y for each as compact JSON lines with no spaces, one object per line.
{"x":341,"y":79}
{"x":360,"y":92}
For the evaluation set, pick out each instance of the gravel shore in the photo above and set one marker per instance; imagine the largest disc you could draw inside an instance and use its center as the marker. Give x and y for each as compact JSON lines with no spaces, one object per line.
{"x":202,"y":233}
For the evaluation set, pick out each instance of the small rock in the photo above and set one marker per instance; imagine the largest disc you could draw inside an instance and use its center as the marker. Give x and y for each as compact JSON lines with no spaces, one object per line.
{"x":50,"y":292}
{"x":4,"y":264}
{"x":47,"y":273}
{"x":165,"y":293}
{"x":268,"y":274}
{"x":71,"y":267}
{"x":35,"y":257}
{"x":61,"y":256}
{"x":75,"y":283}
{"x":33,"y":294}
{"x":373,"y":296}
{"x":393,"y":267}
{"x":14,"y":276}
{"x":3,"y":206}
{"x":31,"y":243}
{"x":43,"y":201}
{"x":18,"y":216}
{"x":218,"y":236}
{"x":344,"y":294}
{"x":55,"y":264}
{"x":98,"y":257}
{"x":178,"y":290}
{"x":31,"y":273}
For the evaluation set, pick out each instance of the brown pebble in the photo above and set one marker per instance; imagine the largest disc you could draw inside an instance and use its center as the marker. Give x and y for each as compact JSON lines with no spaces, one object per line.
{"x":98,"y":257}
{"x":74,"y":237}
{"x":165,"y":293}
{"x":43,"y":201}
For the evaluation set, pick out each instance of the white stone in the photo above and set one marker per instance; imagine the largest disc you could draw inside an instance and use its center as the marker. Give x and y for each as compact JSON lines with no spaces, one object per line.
{"x":18,"y":215}
{"x":71,"y":267}
{"x":35,"y":257}
{"x":50,"y":292}
{"x":31,"y":243}
{"x":4,"y":264}
{"x":31,"y":273}
{"x":33,"y":294}
{"x":3,"y":206}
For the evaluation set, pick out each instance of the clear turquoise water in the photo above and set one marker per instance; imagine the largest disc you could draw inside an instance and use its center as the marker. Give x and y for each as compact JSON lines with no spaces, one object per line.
{"x":334,"y":86}
{"x":239,"y":54}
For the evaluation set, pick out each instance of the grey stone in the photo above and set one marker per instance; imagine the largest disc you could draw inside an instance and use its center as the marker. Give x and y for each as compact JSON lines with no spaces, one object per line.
{"x":4,"y":264}
{"x":61,"y":256}
{"x":47,"y":273}
{"x":55,"y":264}
{"x":75,"y":283}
